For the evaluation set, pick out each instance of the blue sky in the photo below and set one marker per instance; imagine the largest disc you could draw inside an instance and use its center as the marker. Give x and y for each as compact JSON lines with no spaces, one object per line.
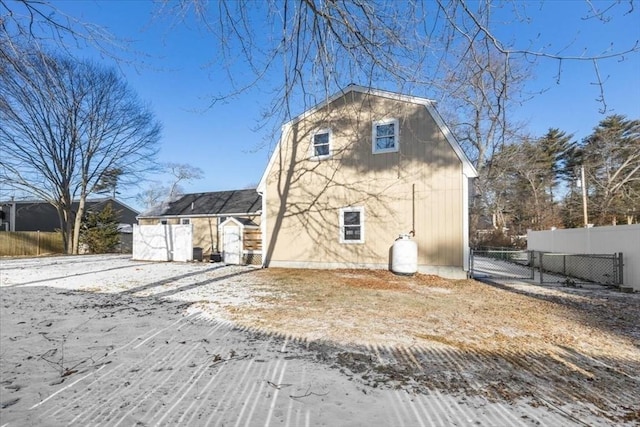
{"x":170,"y":72}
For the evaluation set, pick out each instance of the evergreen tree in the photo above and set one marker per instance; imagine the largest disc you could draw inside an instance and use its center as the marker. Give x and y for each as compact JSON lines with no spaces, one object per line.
{"x":108,"y":182}
{"x":531,"y":172}
{"x":611,"y":157}
{"x":100,"y":230}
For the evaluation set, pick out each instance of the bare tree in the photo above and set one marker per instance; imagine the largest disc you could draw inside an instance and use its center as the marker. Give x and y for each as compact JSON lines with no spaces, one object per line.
{"x":66,"y":126}
{"x":42,"y":25}
{"x":151,"y":197}
{"x":181,"y":172}
{"x":302,"y":51}
{"x":318,"y":47}
{"x":156,"y":196}
{"x":449,"y":50}
{"x":477,"y":94}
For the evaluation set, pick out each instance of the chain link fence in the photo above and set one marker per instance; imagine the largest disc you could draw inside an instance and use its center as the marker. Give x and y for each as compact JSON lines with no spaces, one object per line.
{"x":502,"y":263}
{"x":605,"y":269}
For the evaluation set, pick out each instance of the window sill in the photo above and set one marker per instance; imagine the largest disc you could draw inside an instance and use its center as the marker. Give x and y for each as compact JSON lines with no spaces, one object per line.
{"x":319,"y":158}
{"x":386,"y":150}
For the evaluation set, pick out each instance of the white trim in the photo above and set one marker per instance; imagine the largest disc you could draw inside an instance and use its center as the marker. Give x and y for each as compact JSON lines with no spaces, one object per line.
{"x":396,"y":136}
{"x":359,"y":89}
{"x":263,"y":227}
{"x":272,"y":159}
{"x":358,"y":209}
{"x":467,"y":167}
{"x":256,"y":213}
{"x":465,"y":223}
{"x":312,"y":148}
{"x":231,"y":219}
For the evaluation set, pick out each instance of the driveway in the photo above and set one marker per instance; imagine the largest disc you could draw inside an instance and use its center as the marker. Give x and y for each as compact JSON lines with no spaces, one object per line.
{"x":103,"y":340}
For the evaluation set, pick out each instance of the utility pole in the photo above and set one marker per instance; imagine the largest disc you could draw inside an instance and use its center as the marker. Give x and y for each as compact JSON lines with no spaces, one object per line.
{"x":584,"y":198}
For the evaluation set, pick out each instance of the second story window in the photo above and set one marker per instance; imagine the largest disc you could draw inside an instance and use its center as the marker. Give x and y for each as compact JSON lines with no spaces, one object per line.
{"x":321,"y":144}
{"x":385,"y":136}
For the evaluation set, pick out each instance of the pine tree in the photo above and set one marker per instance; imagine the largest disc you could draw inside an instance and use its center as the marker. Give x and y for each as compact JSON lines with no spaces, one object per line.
{"x":611,"y":156}
{"x":99,"y":230}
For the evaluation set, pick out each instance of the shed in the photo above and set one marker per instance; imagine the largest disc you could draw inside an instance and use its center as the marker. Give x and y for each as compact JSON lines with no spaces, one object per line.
{"x":240,"y":241}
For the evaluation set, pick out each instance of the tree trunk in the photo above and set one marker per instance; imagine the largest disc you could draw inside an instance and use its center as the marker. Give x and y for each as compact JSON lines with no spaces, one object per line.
{"x":77,"y":223}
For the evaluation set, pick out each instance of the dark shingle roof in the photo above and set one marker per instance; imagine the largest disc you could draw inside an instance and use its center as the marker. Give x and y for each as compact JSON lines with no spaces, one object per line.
{"x":246,"y":222}
{"x":214,"y":203}
{"x":34,"y":215}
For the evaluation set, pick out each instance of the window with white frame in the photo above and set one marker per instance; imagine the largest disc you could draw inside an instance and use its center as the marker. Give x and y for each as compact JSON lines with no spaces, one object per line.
{"x":321,"y":144}
{"x":185,"y":221}
{"x":352,"y":225}
{"x":385,"y":136}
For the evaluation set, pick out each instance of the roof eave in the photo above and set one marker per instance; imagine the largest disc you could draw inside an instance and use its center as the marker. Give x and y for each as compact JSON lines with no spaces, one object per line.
{"x":258,"y":212}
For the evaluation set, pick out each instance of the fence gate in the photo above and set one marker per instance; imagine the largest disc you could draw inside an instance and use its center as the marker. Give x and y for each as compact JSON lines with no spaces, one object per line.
{"x":501,"y":264}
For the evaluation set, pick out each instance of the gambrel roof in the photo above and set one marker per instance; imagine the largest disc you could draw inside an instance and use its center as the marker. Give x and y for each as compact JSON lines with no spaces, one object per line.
{"x":467,"y":167}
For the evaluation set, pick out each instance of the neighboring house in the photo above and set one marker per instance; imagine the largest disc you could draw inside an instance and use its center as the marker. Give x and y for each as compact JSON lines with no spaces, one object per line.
{"x":353,"y":173}
{"x":42,"y":216}
{"x":218,"y":218}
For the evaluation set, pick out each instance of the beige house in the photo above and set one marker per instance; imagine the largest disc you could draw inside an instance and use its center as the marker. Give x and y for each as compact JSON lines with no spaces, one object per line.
{"x":226,"y":224}
{"x":353,"y":173}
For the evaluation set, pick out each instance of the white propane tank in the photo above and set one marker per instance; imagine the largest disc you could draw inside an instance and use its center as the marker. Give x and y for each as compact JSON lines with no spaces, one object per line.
{"x":404,"y":255}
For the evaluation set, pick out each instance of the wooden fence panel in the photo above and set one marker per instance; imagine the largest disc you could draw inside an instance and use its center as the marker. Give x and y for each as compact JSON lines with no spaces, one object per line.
{"x":30,"y":243}
{"x":252,"y":240}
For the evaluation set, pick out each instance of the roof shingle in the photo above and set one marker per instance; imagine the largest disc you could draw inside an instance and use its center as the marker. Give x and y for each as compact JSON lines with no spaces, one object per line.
{"x":213,"y":203}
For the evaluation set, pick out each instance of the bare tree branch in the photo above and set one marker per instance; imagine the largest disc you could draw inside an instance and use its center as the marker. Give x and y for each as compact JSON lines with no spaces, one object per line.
{"x":66,"y":125}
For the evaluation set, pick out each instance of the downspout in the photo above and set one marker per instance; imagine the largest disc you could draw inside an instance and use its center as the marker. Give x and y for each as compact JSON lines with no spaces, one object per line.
{"x":217,"y":234}
{"x":263,"y":227}
{"x":12,"y":216}
{"x":465,"y":222}
{"x":413,"y":210}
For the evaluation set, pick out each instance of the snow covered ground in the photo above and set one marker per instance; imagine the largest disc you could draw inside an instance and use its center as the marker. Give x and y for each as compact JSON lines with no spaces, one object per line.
{"x":103,"y":340}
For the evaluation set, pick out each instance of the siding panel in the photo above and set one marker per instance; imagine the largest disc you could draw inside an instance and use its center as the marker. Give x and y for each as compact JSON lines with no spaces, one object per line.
{"x":314,"y":191}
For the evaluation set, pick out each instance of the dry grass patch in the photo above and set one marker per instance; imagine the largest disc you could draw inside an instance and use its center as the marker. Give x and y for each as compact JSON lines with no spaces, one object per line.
{"x":379,"y":308}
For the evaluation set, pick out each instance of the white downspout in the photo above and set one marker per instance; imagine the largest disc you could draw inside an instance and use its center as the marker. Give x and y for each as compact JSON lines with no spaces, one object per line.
{"x":12,"y":216}
{"x":465,"y":222}
{"x":263,"y":227}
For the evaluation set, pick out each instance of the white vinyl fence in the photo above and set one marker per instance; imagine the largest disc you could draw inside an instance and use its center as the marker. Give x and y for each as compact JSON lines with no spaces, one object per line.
{"x":596,"y":240}
{"x":163,"y":242}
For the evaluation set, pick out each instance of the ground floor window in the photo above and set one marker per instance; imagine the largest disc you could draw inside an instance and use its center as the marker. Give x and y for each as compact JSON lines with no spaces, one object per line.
{"x":352,"y":225}
{"x":185,"y":221}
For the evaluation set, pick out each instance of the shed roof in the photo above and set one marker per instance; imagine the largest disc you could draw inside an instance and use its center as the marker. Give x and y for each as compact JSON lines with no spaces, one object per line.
{"x":211,"y":203}
{"x":245,"y":222}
